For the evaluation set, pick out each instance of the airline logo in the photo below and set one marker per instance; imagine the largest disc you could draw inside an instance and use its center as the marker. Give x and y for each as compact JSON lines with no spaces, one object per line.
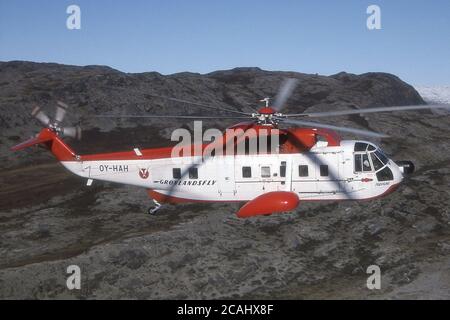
{"x":143,"y":173}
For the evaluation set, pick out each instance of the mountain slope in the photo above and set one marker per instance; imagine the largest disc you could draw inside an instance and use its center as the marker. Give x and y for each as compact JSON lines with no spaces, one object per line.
{"x":95,"y":90}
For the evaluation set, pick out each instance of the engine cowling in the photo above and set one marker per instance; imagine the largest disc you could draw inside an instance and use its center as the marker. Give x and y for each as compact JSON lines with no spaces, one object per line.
{"x":268,"y":203}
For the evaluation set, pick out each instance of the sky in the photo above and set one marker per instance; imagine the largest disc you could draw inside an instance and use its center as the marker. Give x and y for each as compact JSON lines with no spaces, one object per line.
{"x":324,"y":37}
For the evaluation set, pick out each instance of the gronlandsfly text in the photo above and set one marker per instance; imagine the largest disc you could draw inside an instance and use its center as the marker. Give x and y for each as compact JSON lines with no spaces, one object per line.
{"x":187,"y":182}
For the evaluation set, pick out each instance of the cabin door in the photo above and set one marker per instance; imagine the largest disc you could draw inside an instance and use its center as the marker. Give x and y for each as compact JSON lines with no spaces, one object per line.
{"x":225,"y":173}
{"x":275,"y":173}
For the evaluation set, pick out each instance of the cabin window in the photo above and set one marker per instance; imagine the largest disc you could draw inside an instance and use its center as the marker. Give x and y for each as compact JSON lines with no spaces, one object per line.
{"x":385,"y":174}
{"x":176,"y":173}
{"x":246,"y":172}
{"x":265,"y":172}
{"x":303,"y":170}
{"x":323,"y":170}
{"x":283,"y":169}
{"x":358,"y":159}
{"x":193,"y":173}
{"x":366,"y":163}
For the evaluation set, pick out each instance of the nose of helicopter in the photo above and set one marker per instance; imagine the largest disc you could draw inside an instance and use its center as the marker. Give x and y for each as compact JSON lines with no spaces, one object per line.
{"x":406,"y":167}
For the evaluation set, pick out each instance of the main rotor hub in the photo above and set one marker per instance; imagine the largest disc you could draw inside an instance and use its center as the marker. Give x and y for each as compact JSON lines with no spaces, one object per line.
{"x":267,"y":116}
{"x":266,"y":110}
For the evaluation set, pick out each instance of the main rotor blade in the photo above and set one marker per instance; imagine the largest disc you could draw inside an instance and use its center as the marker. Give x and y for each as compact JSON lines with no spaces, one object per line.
{"x":40,"y":115}
{"x":367,"y":110}
{"x":201,"y":105}
{"x":328,"y":126}
{"x":61,"y":109}
{"x":285,"y":91}
{"x":170,"y":117}
{"x":73,"y":132}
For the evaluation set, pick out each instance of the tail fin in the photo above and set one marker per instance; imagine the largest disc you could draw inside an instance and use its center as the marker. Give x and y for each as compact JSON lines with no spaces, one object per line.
{"x":50,"y":140}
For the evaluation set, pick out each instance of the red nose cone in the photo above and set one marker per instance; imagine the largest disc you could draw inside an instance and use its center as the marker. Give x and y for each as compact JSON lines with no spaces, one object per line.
{"x":266,"y":110}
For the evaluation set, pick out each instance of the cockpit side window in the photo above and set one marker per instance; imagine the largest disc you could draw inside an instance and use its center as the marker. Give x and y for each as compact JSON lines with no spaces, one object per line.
{"x":366,"y":163}
{"x":385,"y":174}
{"x":358,"y":159}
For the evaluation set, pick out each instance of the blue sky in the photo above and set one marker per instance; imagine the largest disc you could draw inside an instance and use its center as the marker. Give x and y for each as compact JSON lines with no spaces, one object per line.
{"x":322,"y":37}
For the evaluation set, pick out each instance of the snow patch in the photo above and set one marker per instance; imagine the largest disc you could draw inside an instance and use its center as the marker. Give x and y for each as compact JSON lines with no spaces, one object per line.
{"x":435,"y":94}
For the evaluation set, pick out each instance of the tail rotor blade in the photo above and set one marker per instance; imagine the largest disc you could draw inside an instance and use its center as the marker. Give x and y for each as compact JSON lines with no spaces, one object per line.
{"x":286,"y":89}
{"x":73,"y":132}
{"x":40,"y":115}
{"x":61,"y":109}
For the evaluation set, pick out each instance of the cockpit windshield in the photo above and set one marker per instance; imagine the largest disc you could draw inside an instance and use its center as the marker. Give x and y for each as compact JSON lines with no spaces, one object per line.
{"x":377,"y":164}
{"x":368,"y":157}
{"x":360,"y":146}
{"x":364,"y":146}
{"x":382,"y":156}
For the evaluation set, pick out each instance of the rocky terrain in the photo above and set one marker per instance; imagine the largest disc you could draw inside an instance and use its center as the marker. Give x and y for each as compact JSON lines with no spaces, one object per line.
{"x":49,"y":219}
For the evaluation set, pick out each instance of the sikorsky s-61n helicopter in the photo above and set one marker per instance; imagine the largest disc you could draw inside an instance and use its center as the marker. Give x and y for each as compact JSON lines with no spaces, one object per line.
{"x":307,"y":162}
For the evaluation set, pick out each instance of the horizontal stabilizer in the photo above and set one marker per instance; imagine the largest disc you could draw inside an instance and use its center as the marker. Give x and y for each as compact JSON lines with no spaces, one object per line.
{"x":30,"y":142}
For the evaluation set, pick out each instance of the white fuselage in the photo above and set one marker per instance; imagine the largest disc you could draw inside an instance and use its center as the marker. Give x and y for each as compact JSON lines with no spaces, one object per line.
{"x":322,"y":173}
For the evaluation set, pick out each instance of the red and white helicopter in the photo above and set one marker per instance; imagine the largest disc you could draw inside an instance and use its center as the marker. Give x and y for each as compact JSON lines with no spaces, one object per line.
{"x":305,"y":163}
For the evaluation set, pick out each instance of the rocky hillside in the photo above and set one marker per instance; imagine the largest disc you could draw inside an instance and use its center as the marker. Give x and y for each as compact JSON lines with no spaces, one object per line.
{"x":95,"y":90}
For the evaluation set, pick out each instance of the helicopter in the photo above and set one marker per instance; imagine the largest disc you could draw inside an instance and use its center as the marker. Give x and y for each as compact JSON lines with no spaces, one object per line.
{"x":269,"y":161}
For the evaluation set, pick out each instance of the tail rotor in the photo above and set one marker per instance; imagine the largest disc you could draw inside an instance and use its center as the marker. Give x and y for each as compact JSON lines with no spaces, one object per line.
{"x":40,"y":116}
{"x":72,"y":132}
{"x":55,"y":124}
{"x":61,"y":110}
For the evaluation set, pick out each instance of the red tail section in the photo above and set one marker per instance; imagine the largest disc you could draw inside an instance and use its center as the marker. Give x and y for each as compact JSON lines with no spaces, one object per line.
{"x":50,"y":140}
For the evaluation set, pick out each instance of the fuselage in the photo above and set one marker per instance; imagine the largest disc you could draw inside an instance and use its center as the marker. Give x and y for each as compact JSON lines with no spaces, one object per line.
{"x":352,"y":170}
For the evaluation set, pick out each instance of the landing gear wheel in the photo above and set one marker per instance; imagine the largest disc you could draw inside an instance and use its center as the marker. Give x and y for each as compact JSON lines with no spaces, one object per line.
{"x":153,"y":210}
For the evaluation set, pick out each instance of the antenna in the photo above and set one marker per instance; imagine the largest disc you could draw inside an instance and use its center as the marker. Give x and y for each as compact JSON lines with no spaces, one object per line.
{"x":266,"y":100}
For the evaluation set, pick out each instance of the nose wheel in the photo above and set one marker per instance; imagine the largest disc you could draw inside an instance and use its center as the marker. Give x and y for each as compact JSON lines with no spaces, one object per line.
{"x":155,"y":208}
